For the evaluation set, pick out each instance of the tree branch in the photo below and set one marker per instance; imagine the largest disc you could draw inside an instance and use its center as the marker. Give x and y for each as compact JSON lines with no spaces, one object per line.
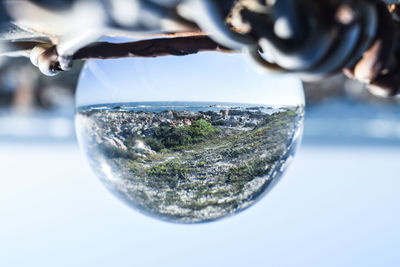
{"x":179,"y":46}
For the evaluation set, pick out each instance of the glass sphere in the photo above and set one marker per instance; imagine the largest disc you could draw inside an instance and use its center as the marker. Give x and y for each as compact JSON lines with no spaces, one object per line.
{"x":187,"y":139}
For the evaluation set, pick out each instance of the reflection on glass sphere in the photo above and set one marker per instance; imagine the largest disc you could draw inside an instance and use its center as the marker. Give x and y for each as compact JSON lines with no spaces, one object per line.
{"x":187,"y":139}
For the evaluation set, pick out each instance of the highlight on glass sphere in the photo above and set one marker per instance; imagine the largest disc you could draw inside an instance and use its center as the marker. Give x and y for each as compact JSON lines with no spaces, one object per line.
{"x":187,"y":139}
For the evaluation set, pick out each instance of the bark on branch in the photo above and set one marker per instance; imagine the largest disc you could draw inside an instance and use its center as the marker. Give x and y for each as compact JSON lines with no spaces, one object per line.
{"x":179,"y":46}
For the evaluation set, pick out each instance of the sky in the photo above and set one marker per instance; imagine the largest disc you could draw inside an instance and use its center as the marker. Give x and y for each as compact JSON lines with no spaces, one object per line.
{"x":206,"y":77}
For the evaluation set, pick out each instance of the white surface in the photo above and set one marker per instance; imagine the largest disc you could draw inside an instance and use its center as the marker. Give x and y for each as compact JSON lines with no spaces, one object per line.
{"x":335,"y":207}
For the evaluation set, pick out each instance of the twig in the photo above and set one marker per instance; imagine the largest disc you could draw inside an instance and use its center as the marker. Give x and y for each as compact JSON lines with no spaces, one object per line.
{"x":150,"y":48}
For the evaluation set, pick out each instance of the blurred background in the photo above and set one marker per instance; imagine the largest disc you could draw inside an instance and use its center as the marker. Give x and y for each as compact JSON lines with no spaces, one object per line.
{"x":336,"y":205}
{"x":35,"y":107}
{"x":339,"y":110}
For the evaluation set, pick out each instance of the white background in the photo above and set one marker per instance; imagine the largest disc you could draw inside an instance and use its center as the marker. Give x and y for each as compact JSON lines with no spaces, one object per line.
{"x":336,"y":206}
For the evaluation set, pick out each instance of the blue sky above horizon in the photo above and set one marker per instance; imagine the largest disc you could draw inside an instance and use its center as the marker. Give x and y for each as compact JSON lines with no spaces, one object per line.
{"x":205,"y":77}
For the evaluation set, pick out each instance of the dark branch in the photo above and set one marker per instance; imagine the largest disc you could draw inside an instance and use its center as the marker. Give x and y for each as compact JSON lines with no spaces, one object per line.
{"x":150,"y":48}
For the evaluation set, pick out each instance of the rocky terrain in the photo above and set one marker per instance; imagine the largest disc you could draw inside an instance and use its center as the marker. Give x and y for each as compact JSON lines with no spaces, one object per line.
{"x":189,"y":165}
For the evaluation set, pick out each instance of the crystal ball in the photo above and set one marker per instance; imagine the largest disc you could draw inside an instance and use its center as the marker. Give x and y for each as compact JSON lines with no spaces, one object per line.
{"x":187,"y":139}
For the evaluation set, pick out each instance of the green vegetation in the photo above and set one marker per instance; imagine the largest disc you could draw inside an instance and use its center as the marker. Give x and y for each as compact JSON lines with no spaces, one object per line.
{"x":247,"y":171}
{"x":200,"y":171}
{"x":178,"y":138}
{"x":153,"y":143}
{"x":169,"y":168}
{"x":115,"y":152}
{"x":202,"y":129}
{"x":169,"y":173}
